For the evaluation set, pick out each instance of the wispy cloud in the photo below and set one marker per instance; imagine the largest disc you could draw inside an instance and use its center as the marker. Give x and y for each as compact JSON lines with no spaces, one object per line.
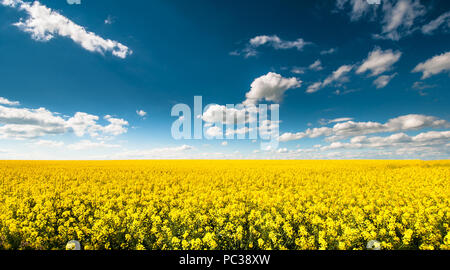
{"x":317,"y":65}
{"x":336,"y":76}
{"x":273,"y":41}
{"x":384,"y":80}
{"x":435,"y":65}
{"x":330,"y":51}
{"x":45,"y":24}
{"x":399,"y":18}
{"x":379,"y":61}
{"x":443,"y":20}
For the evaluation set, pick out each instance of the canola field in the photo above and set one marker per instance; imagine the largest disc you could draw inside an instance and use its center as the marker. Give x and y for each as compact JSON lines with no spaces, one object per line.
{"x":226,"y":205}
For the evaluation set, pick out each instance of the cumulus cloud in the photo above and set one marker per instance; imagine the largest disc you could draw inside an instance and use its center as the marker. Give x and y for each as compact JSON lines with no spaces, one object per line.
{"x":22,"y":123}
{"x":437,"y":64}
{"x":286,"y":137}
{"x":116,"y":126}
{"x":384,"y":80}
{"x":5,"y":101}
{"x":379,"y":61}
{"x":25,"y":123}
{"x":443,"y":20}
{"x":336,"y":76}
{"x":351,"y":128}
{"x":221,"y":114}
{"x":270,"y":87}
{"x":44,"y":24}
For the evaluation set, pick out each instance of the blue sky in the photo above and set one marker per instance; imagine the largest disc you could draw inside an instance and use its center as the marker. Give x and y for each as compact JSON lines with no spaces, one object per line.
{"x":353,"y":80}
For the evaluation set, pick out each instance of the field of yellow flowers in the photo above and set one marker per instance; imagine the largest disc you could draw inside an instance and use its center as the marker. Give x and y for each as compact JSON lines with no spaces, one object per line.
{"x":225,"y":204}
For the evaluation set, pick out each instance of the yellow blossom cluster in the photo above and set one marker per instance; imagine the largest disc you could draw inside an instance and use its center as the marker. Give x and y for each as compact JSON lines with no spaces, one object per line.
{"x":225,"y":205}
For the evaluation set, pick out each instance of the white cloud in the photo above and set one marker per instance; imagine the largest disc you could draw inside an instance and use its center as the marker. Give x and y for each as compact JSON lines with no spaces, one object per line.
{"x":384,"y":80}
{"x":394,"y":140}
{"x":286,"y":137}
{"x":87,"y":144}
{"x":379,"y":61}
{"x":336,"y":76}
{"x":444,"y":20}
{"x":270,"y":87}
{"x":317,"y":65}
{"x":343,"y":119}
{"x":5,"y":101}
{"x":399,"y":18}
{"x":330,"y":51}
{"x":25,"y":123}
{"x":437,"y":64}
{"x":22,"y":123}
{"x":20,"y":132}
{"x":351,"y":128}
{"x":44,"y":24}
{"x":358,"y":8}
{"x":422,"y":86}
{"x":273,"y":41}
{"x":116,"y":126}
{"x":336,"y":120}
{"x":222,"y":114}
{"x":141,"y":113}
{"x":277,"y":43}
{"x":314,"y":87}
{"x":82,"y":123}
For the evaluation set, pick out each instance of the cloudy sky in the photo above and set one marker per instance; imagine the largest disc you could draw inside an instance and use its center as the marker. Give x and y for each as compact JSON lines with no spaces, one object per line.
{"x":98,"y":80}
